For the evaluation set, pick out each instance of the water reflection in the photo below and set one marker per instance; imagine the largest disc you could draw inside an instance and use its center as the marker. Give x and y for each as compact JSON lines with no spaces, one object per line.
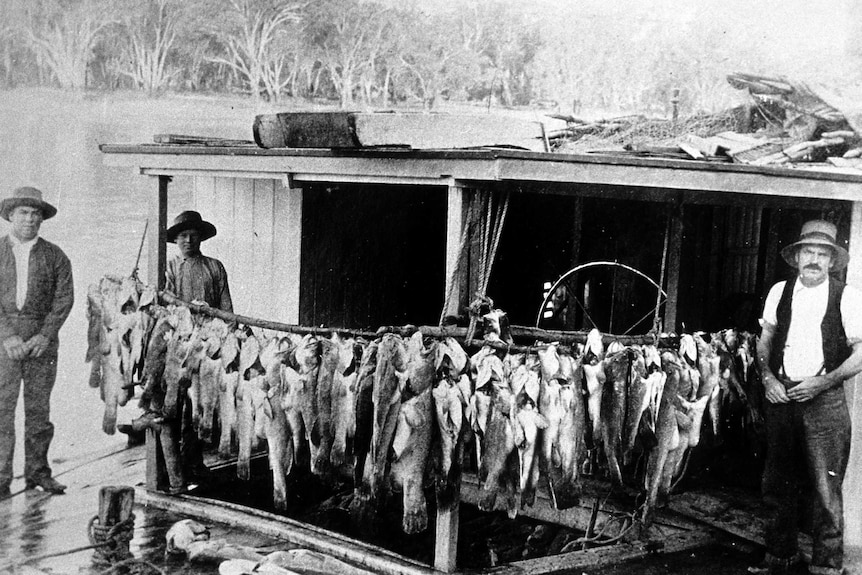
{"x":33,"y":523}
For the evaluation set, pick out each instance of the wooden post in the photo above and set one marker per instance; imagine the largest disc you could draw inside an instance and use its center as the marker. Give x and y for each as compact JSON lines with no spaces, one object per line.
{"x":157,"y":249}
{"x":115,"y":507}
{"x":115,"y":504}
{"x":674,"y":250}
{"x":457,"y":264}
{"x":572,"y":284}
{"x":457,"y":217}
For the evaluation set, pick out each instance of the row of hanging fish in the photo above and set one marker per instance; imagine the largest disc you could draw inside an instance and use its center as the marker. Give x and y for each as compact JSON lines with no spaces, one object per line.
{"x":117,"y":336}
{"x":408,"y":412}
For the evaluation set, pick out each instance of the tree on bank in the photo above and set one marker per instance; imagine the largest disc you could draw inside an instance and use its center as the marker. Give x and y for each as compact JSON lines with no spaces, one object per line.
{"x":150,"y":35}
{"x":63,"y":34}
{"x":255,"y":39}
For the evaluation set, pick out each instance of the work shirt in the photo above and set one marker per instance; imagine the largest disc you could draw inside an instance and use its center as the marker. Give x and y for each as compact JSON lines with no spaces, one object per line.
{"x":199,"y":278}
{"x":49,"y":294}
{"x":803,"y":351}
{"x":21,"y":251}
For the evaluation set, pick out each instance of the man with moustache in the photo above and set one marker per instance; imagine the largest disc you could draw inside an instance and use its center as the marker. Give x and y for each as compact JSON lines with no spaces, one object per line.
{"x":811,"y":342}
{"x":36,"y":297}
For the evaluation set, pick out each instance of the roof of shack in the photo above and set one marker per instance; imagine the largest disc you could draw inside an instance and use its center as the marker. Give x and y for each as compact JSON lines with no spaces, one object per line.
{"x":446,"y":167}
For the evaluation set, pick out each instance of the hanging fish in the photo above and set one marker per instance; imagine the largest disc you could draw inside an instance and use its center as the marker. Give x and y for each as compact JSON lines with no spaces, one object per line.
{"x":386,"y":396}
{"x":411,"y":442}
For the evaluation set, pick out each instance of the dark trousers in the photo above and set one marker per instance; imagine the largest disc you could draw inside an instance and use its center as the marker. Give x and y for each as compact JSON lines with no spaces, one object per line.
{"x":38,"y":376}
{"x":808,"y":444}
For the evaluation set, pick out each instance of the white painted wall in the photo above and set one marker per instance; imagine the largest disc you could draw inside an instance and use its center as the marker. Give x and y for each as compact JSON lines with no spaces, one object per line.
{"x":259,"y":223}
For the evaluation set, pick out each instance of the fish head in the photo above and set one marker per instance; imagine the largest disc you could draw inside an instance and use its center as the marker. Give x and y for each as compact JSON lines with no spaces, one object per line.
{"x":496,"y":323}
{"x":652,"y":358}
{"x":307,"y":353}
{"x":149,"y":297}
{"x":688,"y":348}
{"x":490,"y":372}
{"x":594,"y":348}
{"x":614,"y":347}
{"x":549,"y":360}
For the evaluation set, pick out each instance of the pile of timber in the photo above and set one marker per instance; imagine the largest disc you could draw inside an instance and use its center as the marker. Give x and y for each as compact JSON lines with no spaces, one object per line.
{"x":784,"y":124}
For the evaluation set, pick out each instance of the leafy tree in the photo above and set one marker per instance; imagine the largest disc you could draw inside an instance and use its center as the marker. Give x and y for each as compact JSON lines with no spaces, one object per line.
{"x":431,"y":65}
{"x":347,"y":35}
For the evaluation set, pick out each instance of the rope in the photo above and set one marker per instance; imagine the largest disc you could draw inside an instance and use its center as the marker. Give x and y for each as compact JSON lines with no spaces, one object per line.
{"x":112,"y":541}
{"x":667,"y":232}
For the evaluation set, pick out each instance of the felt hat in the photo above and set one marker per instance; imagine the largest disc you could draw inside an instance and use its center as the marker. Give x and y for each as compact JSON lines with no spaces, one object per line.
{"x":818,"y":233}
{"x":26,"y":196}
{"x":190,"y":220}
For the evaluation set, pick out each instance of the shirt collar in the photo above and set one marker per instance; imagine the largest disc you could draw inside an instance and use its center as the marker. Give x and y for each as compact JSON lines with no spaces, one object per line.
{"x":18,"y":243}
{"x":798,"y":287}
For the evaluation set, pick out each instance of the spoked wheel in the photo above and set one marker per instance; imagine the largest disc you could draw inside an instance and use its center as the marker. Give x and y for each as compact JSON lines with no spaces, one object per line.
{"x":578,"y":300}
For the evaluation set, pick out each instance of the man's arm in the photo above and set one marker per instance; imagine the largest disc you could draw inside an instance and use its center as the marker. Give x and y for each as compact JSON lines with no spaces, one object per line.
{"x":813,"y":386}
{"x":225,"y":302}
{"x":61,"y":305}
{"x":775,"y":390}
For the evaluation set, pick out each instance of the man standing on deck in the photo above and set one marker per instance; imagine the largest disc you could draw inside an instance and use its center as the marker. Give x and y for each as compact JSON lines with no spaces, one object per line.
{"x":36,"y":296}
{"x":192,"y":276}
{"x":811,"y":343}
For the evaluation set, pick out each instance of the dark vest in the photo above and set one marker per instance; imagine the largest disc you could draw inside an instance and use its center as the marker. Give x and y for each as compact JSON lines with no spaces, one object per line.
{"x":835,"y":348}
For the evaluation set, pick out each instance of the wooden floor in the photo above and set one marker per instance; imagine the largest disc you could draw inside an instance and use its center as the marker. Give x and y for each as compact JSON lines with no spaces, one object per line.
{"x":40,"y":533}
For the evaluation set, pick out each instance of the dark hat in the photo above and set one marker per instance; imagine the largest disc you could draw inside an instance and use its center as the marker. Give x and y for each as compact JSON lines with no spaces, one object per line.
{"x":26,"y":196}
{"x":818,"y":233}
{"x":190,"y":220}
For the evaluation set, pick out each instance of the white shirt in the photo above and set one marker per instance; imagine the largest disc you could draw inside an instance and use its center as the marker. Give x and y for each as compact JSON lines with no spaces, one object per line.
{"x":803,"y":350}
{"x":21,"y":251}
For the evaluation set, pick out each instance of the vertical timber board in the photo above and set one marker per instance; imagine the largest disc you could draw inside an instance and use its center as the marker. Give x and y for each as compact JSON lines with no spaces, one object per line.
{"x":158,"y":216}
{"x":262,"y":245}
{"x":245,"y":283}
{"x":222,"y":213}
{"x":287,"y":238}
{"x":674,"y":253}
{"x":456,"y":219}
{"x":574,"y":259}
{"x":853,"y":481}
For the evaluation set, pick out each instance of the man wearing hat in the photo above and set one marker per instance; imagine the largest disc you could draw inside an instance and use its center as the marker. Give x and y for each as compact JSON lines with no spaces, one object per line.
{"x":811,"y":342}
{"x":35,"y":299}
{"x":192,"y":276}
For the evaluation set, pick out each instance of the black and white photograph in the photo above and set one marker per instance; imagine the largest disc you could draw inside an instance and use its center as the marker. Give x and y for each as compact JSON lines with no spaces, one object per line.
{"x":474,"y":287}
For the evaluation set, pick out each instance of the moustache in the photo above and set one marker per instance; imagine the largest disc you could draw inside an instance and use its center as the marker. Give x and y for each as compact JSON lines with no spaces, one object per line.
{"x":814,"y":267}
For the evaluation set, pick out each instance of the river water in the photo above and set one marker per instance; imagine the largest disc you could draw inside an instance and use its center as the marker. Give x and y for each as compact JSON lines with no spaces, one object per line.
{"x":50,"y":139}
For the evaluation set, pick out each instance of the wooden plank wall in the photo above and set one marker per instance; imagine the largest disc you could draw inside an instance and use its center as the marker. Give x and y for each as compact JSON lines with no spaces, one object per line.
{"x":257,"y":241}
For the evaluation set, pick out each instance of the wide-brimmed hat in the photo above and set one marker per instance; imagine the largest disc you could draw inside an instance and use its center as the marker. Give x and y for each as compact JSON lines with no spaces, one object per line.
{"x":26,"y":196}
{"x":190,"y":220}
{"x":818,"y":233}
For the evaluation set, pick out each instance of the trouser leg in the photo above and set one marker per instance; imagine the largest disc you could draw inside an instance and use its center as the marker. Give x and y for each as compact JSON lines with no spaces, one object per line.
{"x":827,"y":441}
{"x":39,"y":375}
{"x":10,"y":384}
{"x":781,"y":484}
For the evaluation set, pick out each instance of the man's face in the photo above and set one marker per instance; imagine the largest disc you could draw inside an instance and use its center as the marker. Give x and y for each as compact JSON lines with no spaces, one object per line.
{"x":189,"y":242}
{"x":26,"y":221}
{"x":813,"y":263}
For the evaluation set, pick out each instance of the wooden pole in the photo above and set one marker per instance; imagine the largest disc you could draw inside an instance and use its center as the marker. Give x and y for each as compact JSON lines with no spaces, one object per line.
{"x":673,"y":269}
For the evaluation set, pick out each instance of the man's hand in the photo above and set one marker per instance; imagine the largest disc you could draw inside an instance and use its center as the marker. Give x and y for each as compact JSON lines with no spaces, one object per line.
{"x":808,"y":389}
{"x":37,"y":345}
{"x":15,"y":347}
{"x":775,"y":390}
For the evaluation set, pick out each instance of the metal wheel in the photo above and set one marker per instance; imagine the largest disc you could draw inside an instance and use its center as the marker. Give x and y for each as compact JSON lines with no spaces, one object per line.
{"x":661,"y":295}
